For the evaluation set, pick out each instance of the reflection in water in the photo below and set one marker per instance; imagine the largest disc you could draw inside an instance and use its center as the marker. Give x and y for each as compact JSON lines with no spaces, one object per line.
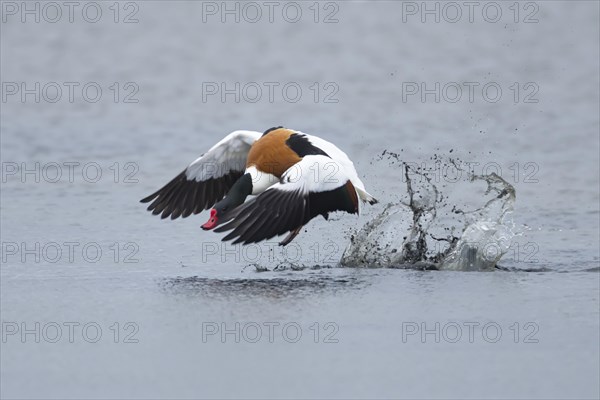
{"x":269,"y":287}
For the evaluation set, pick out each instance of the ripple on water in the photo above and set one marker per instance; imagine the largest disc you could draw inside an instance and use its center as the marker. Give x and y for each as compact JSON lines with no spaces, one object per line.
{"x":259,"y":287}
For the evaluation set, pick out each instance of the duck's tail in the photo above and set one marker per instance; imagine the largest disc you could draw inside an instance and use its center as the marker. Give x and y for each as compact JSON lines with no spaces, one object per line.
{"x":366,"y":197}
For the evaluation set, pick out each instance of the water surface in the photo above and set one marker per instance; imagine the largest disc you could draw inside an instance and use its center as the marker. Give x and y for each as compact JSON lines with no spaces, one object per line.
{"x":175,"y":284}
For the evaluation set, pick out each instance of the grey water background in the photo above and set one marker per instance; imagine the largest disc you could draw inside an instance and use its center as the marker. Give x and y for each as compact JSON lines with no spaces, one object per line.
{"x":174,"y":282}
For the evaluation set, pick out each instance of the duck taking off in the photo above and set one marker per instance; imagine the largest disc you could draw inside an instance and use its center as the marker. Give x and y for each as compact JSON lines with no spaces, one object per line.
{"x":294,"y":176}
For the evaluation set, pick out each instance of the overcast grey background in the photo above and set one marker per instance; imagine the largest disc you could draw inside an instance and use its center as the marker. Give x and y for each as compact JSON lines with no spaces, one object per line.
{"x":373,"y":50}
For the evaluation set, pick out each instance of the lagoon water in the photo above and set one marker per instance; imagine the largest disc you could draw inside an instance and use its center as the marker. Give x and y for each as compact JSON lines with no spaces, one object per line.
{"x":131,"y":306}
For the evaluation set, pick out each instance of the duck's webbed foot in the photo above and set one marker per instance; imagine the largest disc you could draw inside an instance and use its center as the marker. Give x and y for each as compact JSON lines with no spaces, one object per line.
{"x":290,"y":237}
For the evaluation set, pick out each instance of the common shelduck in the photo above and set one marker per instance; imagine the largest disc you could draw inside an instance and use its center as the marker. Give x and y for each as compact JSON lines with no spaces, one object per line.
{"x":295,"y":176}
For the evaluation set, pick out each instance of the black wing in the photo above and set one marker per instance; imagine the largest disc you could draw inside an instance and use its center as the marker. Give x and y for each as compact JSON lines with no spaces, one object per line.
{"x":275,"y":212}
{"x":205,"y":181}
{"x":183,"y":197}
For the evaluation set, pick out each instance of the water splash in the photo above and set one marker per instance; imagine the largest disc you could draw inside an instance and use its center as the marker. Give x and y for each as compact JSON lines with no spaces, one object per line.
{"x":425,"y":233}
{"x":489,"y":234}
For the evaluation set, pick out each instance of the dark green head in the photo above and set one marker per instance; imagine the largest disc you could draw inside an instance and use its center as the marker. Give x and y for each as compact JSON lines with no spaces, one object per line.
{"x":236,"y":196}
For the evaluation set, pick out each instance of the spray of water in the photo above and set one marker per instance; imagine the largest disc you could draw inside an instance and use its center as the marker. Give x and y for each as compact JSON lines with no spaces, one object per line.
{"x":405,"y":234}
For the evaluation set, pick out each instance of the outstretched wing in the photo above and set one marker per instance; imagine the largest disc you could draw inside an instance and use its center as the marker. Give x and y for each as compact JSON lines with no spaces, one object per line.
{"x":205,"y":181}
{"x":338,"y":155}
{"x":314,"y":186}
